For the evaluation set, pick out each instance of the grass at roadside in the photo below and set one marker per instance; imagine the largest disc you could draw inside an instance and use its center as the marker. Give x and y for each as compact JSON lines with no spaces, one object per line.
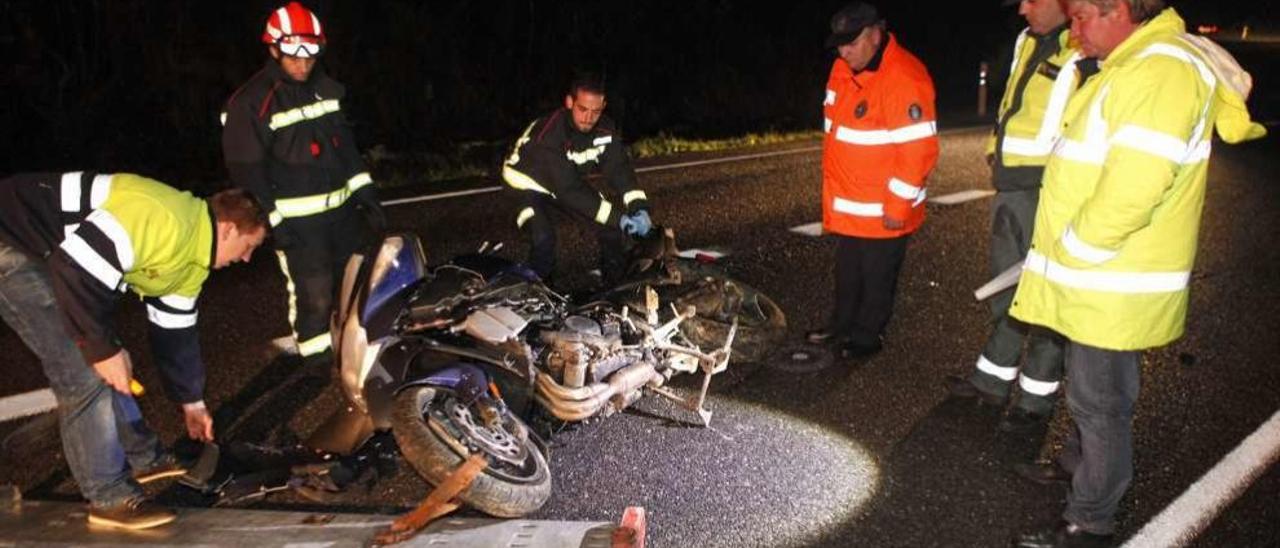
{"x":481,"y":159}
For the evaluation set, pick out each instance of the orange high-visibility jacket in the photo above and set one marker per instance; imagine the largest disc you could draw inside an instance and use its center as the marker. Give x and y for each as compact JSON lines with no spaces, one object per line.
{"x":881,"y":143}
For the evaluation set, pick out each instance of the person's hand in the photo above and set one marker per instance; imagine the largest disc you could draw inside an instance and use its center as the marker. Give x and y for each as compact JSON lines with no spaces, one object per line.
{"x":367,"y":201}
{"x":116,"y":371}
{"x":199,"y":422}
{"x":636,"y":224}
{"x":893,"y":224}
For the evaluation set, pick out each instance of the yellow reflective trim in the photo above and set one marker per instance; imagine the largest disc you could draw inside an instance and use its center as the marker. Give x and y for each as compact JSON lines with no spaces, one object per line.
{"x":633,"y":196}
{"x":307,"y":112}
{"x":274,"y":218}
{"x":289,"y":288}
{"x":310,"y":205}
{"x":602,"y":214}
{"x":314,"y":345}
{"x":358,"y":181}
{"x":520,"y":181}
{"x":524,"y":216}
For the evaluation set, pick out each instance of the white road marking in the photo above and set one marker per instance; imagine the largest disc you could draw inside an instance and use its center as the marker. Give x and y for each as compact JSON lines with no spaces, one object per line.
{"x":962,"y":196}
{"x":1187,"y":517}
{"x":815,"y":229}
{"x":811,"y":229}
{"x":27,"y":404}
{"x":695,"y":253}
{"x":488,"y":189}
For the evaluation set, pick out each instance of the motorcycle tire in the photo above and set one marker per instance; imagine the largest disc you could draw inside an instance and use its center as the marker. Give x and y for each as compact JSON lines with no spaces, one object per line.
{"x":759,"y":332}
{"x":436,"y":433}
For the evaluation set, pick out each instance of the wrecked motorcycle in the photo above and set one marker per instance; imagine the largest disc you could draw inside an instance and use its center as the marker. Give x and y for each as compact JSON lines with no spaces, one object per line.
{"x":453,"y":359}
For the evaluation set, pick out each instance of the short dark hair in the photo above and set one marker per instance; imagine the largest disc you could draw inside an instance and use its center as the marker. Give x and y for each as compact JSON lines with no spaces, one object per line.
{"x":587,"y":81}
{"x":239,"y":207}
{"x":1140,"y":11}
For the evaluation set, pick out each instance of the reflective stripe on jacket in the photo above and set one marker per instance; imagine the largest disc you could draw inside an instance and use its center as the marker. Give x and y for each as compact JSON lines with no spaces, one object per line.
{"x":290,"y":145}
{"x":105,"y":234}
{"x":552,"y":157}
{"x":881,"y":143}
{"x":1041,"y":80}
{"x":1113,"y":248}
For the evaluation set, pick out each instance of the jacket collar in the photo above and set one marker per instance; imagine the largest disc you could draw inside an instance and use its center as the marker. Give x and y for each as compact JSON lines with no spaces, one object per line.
{"x":1167,"y":24}
{"x":209,"y":230}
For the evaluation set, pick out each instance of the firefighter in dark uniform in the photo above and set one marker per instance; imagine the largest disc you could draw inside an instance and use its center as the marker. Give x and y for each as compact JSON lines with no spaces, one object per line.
{"x":548,"y":167}
{"x":286,"y":140}
{"x":71,"y":246}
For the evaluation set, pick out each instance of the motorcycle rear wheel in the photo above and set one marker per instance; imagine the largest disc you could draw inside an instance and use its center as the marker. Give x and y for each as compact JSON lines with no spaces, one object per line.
{"x":436,"y":432}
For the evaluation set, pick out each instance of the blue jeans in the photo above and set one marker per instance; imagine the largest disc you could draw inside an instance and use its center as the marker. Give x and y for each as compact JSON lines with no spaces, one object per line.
{"x":1102,"y":388}
{"x":103,"y":432}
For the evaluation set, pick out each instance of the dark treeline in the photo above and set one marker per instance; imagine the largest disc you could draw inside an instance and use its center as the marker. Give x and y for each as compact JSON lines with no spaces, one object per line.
{"x":138,"y":85}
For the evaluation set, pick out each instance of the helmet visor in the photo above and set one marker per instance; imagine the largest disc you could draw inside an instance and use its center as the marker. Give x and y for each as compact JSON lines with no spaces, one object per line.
{"x":299,"y":46}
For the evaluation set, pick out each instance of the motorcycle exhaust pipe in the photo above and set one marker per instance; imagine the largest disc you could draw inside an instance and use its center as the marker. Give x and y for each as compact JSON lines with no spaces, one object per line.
{"x":575,"y":404}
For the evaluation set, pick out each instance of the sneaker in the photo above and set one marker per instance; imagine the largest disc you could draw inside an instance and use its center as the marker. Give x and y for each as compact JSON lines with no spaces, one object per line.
{"x":167,"y":466}
{"x":132,"y":513}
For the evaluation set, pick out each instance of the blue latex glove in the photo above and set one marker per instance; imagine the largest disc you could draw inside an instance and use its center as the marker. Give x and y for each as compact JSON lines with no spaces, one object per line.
{"x":636,"y":224}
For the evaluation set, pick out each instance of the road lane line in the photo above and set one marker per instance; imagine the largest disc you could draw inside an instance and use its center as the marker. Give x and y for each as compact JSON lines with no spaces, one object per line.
{"x":488,"y":189}
{"x":1187,"y":517}
{"x":810,"y":229}
{"x":27,"y":404}
{"x":815,"y":229}
{"x":962,"y":196}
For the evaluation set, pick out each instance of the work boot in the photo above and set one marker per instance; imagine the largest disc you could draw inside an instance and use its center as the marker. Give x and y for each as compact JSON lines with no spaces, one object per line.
{"x":853,"y":350}
{"x":132,"y":513}
{"x":1043,"y":473}
{"x":1021,"y":421}
{"x":167,"y":466}
{"x":960,"y":387}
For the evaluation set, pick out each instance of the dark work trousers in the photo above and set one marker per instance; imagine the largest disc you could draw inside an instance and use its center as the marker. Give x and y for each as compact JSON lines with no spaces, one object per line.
{"x":535,"y":218}
{"x":313,"y":259}
{"x":1101,"y":393}
{"x":1013,"y":215}
{"x":866,"y":276}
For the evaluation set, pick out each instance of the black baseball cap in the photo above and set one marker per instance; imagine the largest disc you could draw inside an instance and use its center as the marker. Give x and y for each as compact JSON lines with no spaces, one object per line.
{"x":1011,"y":2}
{"x":848,"y":23}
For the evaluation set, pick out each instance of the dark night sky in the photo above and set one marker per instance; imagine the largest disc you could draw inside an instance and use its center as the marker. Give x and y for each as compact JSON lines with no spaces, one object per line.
{"x":135,"y":84}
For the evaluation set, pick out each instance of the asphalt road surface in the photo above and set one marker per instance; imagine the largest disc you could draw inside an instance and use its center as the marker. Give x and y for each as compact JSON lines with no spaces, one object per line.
{"x":857,"y":453}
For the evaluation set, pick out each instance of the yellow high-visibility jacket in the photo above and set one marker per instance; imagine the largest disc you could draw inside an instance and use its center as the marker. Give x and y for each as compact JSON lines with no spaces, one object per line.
{"x":1041,"y":80}
{"x":1115,"y":233}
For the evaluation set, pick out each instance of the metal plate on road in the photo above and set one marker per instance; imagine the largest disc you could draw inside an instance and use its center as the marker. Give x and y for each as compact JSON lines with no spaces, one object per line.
{"x":50,"y":523}
{"x":802,"y":358}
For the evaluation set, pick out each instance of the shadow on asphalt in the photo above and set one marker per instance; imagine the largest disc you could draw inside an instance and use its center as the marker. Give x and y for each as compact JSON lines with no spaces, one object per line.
{"x":955,"y":457}
{"x":268,"y":401}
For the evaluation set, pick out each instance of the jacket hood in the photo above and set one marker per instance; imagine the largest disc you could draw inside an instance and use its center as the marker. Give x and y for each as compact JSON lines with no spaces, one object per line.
{"x":1233,"y":123}
{"x":1234,"y":84}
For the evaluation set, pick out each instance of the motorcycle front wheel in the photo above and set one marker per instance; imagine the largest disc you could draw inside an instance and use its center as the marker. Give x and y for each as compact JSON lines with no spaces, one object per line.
{"x":437,"y":432}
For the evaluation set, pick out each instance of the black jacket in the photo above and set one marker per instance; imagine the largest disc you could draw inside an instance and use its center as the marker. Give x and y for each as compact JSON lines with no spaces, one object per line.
{"x":554,"y":158}
{"x":287,"y":139}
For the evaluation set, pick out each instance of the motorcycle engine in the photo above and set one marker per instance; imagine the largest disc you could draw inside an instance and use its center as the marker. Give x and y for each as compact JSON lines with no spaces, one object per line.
{"x":583,"y":350}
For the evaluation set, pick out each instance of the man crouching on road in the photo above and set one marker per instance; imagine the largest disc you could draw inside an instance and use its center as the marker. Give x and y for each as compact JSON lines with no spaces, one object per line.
{"x":71,"y":244}
{"x":1115,"y":234}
